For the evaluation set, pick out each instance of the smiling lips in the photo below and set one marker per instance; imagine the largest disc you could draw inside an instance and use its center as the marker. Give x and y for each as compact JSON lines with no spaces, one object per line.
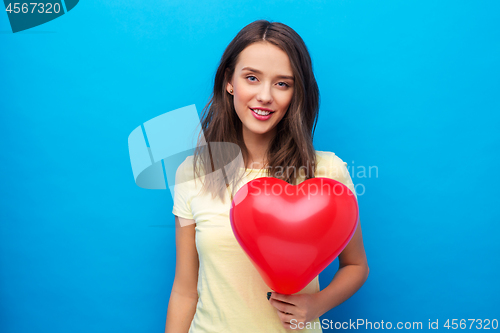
{"x":260,"y":114}
{"x":262,"y":111}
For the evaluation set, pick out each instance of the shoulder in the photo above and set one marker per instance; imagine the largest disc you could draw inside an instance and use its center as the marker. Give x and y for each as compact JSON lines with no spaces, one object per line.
{"x":322,"y":156}
{"x":323,"y":163}
{"x":330,"y":165}
{"x":188,"y":162}
{"x":328,"y":157}
{"x":328,"y":161}
{"x":185,"y":169}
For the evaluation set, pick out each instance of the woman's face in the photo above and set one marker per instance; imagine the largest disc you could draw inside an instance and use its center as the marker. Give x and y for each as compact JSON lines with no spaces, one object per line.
{"x":262,"y":78}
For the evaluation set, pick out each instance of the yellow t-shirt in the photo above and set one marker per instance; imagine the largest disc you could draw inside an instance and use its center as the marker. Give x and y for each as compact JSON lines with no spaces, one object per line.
{"x":231,"y":292}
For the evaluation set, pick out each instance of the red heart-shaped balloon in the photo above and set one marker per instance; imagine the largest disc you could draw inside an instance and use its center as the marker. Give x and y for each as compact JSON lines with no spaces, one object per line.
{"x":292,"y":232}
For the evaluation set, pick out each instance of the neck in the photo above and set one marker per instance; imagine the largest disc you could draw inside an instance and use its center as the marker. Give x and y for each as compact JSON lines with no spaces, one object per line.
{"x":257,"y":145}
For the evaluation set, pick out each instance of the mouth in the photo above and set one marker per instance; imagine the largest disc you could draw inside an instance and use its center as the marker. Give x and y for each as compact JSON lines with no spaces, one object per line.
{"x":261,"y":115}
{"x":262,"y":112}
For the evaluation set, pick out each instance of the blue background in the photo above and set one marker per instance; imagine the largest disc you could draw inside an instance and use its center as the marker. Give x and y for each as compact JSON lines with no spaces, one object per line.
{"x":410,"y":87}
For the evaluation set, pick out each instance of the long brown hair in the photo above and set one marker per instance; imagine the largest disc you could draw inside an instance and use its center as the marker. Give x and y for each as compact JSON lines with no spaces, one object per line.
{"x":292,"y":147}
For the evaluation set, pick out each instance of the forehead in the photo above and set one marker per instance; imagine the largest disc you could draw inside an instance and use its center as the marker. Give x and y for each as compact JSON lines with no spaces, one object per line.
{"x":265,"y":57}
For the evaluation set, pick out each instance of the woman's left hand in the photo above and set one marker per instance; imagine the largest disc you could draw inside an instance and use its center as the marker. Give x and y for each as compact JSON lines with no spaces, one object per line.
{"x":296,"y":310}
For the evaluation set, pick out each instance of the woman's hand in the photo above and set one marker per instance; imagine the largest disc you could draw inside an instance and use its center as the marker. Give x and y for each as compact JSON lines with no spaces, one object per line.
{"x":296,"y":310}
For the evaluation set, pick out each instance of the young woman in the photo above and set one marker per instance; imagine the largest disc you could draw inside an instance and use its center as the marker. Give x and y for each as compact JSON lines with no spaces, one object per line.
{"x":265,"y":103}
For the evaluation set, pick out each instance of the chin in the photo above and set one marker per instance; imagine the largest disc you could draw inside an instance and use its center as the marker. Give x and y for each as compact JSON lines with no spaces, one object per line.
{"x":262,"y":133}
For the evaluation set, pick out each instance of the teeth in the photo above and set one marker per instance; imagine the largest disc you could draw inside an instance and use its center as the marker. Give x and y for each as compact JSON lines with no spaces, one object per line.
{"x":260,"y":112}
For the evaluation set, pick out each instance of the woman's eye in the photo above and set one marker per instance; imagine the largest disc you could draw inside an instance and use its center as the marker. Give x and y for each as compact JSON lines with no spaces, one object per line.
{"x":281,"y":84}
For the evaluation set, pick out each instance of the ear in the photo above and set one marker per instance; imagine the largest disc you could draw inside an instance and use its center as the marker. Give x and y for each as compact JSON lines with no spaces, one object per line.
{"x":229,"y":87}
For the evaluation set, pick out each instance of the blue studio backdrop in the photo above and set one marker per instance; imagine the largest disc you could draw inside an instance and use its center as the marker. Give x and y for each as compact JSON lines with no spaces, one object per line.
{"x":409,"y":99}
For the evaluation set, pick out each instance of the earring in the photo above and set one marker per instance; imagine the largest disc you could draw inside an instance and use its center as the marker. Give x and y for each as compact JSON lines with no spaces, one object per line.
{"x":231,"y":91}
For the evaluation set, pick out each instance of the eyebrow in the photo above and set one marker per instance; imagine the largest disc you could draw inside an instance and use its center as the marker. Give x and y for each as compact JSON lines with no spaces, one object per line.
{"x":259,"y":72}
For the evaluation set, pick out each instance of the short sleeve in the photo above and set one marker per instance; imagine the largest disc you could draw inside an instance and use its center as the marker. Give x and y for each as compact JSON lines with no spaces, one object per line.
{"x":340,"y":173}
{"x":183,"y":192}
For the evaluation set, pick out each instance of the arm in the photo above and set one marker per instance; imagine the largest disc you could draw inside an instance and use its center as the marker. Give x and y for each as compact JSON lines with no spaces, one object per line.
{"x":184,"y":295}
{"x":352,"y":274}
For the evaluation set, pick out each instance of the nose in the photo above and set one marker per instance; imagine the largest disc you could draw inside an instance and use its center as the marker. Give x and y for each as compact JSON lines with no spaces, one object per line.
{"x":264,"y":95}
